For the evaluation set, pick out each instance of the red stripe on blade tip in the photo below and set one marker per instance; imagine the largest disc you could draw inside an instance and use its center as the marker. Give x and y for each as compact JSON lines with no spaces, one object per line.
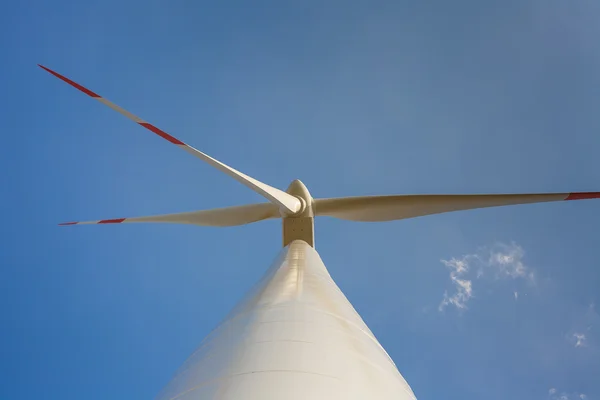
{"x":67,"y":223}
{"x":112,"y":221}
{"x":70,"y":82}
{"x":583,"y":196}
{"x":161,"y":133}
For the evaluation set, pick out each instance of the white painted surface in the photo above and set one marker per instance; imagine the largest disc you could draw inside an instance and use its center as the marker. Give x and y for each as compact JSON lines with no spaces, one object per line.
{"x":228,"y":216}
{"x":294,"y":337}
{"x":394,"y":207}
{"x":288,"y":203}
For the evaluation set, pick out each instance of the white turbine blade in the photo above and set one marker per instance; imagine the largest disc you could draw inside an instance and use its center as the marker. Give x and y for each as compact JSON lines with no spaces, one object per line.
{"x":287,"y":202}
{"x":388,"y":208}
{"x":229,"y":216}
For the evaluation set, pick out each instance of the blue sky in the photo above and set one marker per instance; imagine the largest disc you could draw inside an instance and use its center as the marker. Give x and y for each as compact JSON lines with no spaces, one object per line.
{"x":351,"y":97}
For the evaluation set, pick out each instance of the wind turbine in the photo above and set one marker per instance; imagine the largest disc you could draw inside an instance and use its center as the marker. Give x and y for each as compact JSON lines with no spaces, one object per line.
{"x":295,"y":335}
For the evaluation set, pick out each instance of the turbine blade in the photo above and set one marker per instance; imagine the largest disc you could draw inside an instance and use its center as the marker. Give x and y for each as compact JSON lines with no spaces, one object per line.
{"x":229,"y":216}
{"x":389,"y":208}
{"x":287,"y":202}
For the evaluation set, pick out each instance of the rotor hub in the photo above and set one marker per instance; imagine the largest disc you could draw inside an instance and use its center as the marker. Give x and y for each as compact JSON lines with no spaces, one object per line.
{"x":299,"y":191}
{"x":299,"y":226}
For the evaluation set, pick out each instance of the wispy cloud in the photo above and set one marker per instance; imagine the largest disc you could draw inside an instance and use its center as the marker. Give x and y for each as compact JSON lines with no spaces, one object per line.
{"x":580,"y":339}
{"x":584,"y":329}
{"x":555,"y":395}
{"x":506,"y":261}
{"x":500,"y":261}
{"x":464,"y":289}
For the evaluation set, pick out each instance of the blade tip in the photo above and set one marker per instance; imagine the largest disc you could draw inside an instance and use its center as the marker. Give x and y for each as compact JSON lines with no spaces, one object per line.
{"x":583,"y":195}
{"x":72,"y":83}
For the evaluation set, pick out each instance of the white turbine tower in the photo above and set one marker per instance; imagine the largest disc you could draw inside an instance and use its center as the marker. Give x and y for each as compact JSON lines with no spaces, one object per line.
{"x":295,"y":336}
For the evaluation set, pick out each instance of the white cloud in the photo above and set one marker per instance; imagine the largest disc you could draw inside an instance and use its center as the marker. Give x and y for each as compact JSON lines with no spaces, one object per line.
{"x":507,"y":261}
{"x":458,"y":266}
{"x":554,"y":395}
{"x":500,"y":261}
{"x":580,"y":337}
{"x":464,"y":287}
{"x":583,"y":333}
{"x":459,"y":299}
